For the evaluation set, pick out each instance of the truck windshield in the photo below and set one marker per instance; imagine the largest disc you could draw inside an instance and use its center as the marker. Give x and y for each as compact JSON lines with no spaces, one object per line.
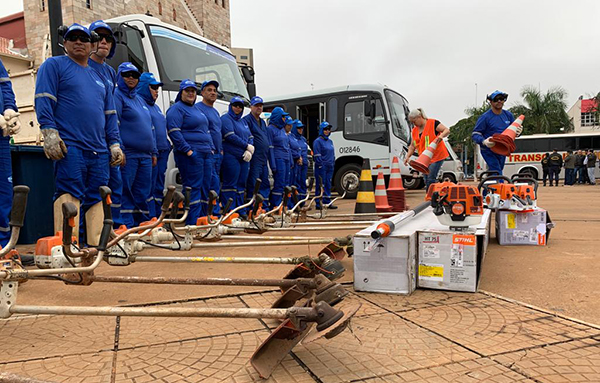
{"x":399,"y":115}
{"x":183,"y":57}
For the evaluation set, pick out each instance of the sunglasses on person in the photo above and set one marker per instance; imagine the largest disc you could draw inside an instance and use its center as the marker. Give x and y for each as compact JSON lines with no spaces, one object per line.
{"x":498,"y":99}
{"x":135,"y":75}
{"x":154,"y":87}
{"x":237,"y":105}
{"x":81,"y":38}
{"x":108,"y":37}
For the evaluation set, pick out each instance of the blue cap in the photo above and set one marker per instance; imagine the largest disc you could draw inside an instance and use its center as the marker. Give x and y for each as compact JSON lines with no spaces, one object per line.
{"x":187,"y":83}
{"x":77,"y":27}
{"x":209,"y":82}
{"x":495,"y":94}
{"x":298,"y":124}
{"x":101,"y":24}
{"x":289,"y":120}
{"x":127,"y":67}
{"x":256,"y":100}
{"x":149,"y":78}
{"x":236,"y":100}
{"x":279,"y":111}
{"x":324,"y":125}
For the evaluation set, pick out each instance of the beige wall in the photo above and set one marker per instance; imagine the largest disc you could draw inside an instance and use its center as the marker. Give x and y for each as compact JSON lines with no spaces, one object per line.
{"x":239,"y":53}
{"x":575,"y":114}
{"x":212,"y":18}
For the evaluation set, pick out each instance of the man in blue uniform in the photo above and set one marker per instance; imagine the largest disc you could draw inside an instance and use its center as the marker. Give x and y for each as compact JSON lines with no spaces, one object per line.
{"x":139,"y":144}
{"x":209,"y":94}
{"x":10,"y":125}
{"x":148,"y":89}
{"x":105,"y":50}
{"x":281,"y":151}
{"x":495,"y":120}
{"x":324,"y":156}
{"x":263,"y":152}
{"x":78,"y":120}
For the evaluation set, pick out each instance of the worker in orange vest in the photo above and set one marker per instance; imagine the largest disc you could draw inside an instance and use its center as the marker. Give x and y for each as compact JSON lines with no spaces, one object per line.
{"x":425,"y":132}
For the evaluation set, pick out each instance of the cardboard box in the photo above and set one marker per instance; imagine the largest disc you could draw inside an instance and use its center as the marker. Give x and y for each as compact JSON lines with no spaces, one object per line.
{"x":390,"y":267}
{"x":451,"y":260}
{"x":518,"y":228}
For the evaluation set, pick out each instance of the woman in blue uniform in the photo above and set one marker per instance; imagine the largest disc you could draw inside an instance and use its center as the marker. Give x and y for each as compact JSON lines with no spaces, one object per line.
{"x":324,"y":156}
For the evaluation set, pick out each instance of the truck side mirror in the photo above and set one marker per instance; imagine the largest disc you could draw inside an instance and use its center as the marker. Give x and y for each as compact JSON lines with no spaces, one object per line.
{"x":248,"y":73}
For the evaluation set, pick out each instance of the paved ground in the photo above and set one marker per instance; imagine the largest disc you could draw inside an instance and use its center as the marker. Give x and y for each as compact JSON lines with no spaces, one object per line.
{"x":430,"y":336}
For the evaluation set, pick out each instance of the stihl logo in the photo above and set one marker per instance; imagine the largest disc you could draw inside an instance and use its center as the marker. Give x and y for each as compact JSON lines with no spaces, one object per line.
{"x":467,"y":240}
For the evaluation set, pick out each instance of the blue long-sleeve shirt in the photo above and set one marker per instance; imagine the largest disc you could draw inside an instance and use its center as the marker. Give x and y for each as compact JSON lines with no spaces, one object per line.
{"x":159,"y":121}
{"x":281,"y":144}
{"x":324,"y":152}
{"x":489,"y":124}
{"x":263,"y":147}
{"x":75,"y":101}
{"x":135,"y":122}
{"x":294,"y":147}
{"x":302,"y":146}
{"x":236,"y":134}
{"x":7,"y":96}
{"x":107,"y":72}
{"x":188,"y":129}
{"x":214,"y":125}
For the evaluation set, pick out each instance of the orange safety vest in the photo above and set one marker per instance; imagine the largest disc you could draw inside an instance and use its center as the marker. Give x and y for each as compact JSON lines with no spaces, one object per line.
{"x":427,"y":137}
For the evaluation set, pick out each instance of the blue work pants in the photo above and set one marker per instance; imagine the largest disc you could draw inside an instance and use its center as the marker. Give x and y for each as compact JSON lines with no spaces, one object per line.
{"x":6,"y":190}
{"x":324,"y":172}
{"x":137,"y":189}
{"x":158,"y":182}
{"x":494,"y":161}
{"x":196,"y":171}
{"x":281,"y":179}
{"x":300,"y":179}
{"x":215,"y":181}
{"x":115,"y":183}
{"x":259,"y":169}
{"x":234,"y":175}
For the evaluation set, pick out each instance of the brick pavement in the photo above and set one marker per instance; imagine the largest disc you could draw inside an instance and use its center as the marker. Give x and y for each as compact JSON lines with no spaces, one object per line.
{"x":430,"y":336}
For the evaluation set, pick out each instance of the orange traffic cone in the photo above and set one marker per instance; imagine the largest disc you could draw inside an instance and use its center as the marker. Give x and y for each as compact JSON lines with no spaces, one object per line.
{"x":421,"y":164}
{"x":505,"y":142}
{"x":381,"y":200}
{"x":395,"y":176}
{"x":365,"y":200}
{"x":396,"y":193}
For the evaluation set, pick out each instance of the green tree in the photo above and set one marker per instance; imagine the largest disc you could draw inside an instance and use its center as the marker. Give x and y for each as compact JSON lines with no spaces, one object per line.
{"x":544,"y":113}
{"x":460,"y":132}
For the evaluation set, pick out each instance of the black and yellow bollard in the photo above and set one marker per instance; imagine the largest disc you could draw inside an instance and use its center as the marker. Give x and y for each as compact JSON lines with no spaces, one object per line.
{"x":365,"y":200}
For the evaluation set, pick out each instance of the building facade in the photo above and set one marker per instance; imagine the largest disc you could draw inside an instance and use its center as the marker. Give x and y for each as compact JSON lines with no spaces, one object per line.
{"x":584,"y":115}
{"x":243,"y":56}
{"x":208,"y":18}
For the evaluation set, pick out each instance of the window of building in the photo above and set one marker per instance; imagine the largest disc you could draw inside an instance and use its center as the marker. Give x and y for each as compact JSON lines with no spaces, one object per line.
{"x":160,"y":8}
{"x":88,"y":4}
{"x":223,"y":3}
{"x":42,"y":5}
{"x":174,"y":14}
{"x":244,"y":57}
{"x":588,"y":119}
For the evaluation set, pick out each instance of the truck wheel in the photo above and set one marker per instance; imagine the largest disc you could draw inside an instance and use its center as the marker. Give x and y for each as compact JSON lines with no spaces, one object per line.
{"x":450,"y":177}
{"x":413,"y":183}
{"x":347,"y":175}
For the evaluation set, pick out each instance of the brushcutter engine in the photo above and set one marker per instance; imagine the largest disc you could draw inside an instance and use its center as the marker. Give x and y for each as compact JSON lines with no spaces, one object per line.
{"x":457,"y":206}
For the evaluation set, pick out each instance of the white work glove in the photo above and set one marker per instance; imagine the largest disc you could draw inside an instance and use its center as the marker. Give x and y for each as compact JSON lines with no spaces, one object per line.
{"x":117,"y":157}
{"x":488,"y":143}
{"x":247,"y":156}
{"x":12,"y":120}
{"x":4,"y":127}
{"x":250,"y":148}
{"x":519,"y":130}
{"x":54,"y":147}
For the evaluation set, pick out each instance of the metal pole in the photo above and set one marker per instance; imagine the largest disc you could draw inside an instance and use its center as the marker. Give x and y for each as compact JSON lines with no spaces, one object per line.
{"x":320,"y":228}
{"x":207,"y":281}
{"x":327,"y":223}
{"x":247,"y":237}
{"x":263,"y":243}
{"x":280,"y":261}
{"x":154,"y":311}
{"x":56,"y":20}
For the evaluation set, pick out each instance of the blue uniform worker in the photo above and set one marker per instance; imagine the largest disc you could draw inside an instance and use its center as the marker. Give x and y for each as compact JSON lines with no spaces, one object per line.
{"x":187,"y":127}
{"x":76,"y":113}
{"x":495,"y":120}
{"x":139,"y":144}
{"x":209,"y":94}
{"x":8,"y":108}
{"x":302,"y":162}
{"x":148,"y":89}
{"x":324,"y":156}
{"x":294,"y":156}
{"x":237,"y":152}
{"x":106,"y":50}
{"x":263,"y":156}
{"x":281,"y":152}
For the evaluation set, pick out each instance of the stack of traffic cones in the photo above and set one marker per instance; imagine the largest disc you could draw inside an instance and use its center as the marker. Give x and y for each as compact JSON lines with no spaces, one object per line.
{"x":381,"y":200}
{"x":395,"y":192}
{"x":365,"y":200}
{"x":505,"y":142}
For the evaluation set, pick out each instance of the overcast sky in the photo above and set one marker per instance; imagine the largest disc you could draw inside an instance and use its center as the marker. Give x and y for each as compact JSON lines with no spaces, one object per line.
{"x":432,"y":52}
